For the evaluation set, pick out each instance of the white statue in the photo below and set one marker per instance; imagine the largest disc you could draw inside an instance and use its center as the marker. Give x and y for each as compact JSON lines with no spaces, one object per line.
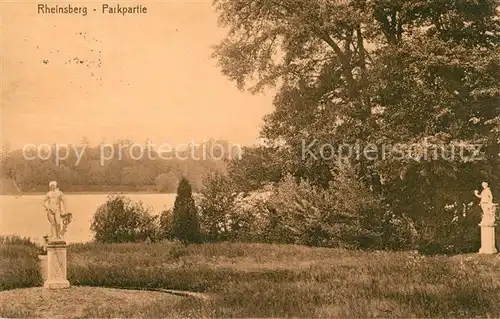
{"x":57,"y":215}
{"x":486,"y":204}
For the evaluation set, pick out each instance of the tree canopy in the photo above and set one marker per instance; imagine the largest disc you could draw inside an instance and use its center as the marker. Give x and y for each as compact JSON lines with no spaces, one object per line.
{"x":376,"y":71}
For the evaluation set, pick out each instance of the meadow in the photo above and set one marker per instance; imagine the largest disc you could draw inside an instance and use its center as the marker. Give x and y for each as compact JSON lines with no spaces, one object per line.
{"x":261,"y":280}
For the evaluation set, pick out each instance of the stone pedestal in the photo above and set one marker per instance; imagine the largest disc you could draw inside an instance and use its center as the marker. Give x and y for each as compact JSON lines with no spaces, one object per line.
{"x":56,"y":265}
{"x":487,"y":239}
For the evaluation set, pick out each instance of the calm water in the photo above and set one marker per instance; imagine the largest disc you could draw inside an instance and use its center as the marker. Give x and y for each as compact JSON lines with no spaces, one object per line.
{"x":25,"y":216}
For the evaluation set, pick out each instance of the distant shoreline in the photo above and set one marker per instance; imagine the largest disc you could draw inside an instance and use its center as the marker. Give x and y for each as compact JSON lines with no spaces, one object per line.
{"x":9,"y":187}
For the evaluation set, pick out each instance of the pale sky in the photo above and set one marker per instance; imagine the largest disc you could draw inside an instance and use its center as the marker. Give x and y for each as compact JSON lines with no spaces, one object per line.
{"x":142,"y":76}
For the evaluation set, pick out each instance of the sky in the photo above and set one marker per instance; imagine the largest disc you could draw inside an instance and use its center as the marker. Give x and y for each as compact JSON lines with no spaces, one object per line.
{"x":109,"y":77}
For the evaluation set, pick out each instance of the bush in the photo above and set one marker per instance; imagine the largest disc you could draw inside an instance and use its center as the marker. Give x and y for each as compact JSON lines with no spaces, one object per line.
{"x":461,"y":235}
{"x":362,"y":208}
{"x":185,"y":224}
{"x":371,"y":221}
{"x":222,"y":217}
{"x":344,"y":214}
{"x":398,"y":233}
{"x":165,"y":227}
{"x":121,"y":220}
{"x":19,"y":265}
{"x":313,"y":216}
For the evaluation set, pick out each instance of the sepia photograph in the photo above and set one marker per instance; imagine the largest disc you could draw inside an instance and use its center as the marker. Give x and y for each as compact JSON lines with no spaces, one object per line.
{"x":250,"y":159}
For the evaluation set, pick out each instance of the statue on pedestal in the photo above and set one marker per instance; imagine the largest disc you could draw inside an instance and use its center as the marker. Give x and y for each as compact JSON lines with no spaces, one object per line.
{"x":486,"y":204}
{"x":54,"y":265}
{"x":57,"y":215}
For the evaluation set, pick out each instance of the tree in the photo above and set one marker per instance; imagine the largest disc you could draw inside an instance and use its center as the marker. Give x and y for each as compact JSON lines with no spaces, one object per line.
{"x":379,"y":72}
{"x":218,"y":207}
{"x":257,"y":167}
{"x":185,"y":225}
{"x":165,"y":224}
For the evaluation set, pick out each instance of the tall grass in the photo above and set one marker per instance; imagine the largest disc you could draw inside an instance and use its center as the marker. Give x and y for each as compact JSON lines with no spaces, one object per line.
{"x":258,"y":280}
{"x":18,"y":263}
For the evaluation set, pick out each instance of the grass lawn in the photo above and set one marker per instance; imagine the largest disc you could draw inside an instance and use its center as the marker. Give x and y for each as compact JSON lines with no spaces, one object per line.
{"x":257,"y":280}
{"x":83,"y":302}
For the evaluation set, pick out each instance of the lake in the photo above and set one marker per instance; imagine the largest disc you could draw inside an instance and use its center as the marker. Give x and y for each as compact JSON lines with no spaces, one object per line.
{"x":25,"y":216}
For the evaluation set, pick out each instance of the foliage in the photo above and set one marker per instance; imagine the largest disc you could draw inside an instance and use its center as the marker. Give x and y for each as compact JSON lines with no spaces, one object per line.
{"x":344,"y":214}
{"x":185,"y":223}
{"x":221,"y":216}
{"x":121,"y":220}
{"x":381,"y":73}
{"x":460,"y":236}
{"x":19,"y":265}
{"x":165,"y":227}
{"x":257,"y":166}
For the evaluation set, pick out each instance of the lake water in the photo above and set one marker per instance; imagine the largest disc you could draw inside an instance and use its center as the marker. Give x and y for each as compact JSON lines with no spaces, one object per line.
{"x":25,"y":216}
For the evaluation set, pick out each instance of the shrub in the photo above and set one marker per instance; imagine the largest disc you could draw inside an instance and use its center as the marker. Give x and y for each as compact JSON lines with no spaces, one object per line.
{"x":121,"y":220}
{"x":165,"y":227}
{"x":361,"y":207}
{"x":398,"y":233}
{"x":461,"y":235}
{"x":185,"y":224}
{"x":344,"y":214}
{"x":292,"y":214}
{"x":297,"y":213}
{"x":19,"y":265}
{"x":222,"y":215}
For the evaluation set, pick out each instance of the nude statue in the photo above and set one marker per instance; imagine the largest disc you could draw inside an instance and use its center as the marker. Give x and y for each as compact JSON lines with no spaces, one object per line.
{"x":57,"y":215}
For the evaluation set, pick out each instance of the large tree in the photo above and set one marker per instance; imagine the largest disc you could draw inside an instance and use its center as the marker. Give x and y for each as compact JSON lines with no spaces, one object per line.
{"x":382,"y":72}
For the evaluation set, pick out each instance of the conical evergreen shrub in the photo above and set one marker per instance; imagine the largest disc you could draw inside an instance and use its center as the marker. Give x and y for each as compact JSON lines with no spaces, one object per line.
{"x":185,"y":224}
